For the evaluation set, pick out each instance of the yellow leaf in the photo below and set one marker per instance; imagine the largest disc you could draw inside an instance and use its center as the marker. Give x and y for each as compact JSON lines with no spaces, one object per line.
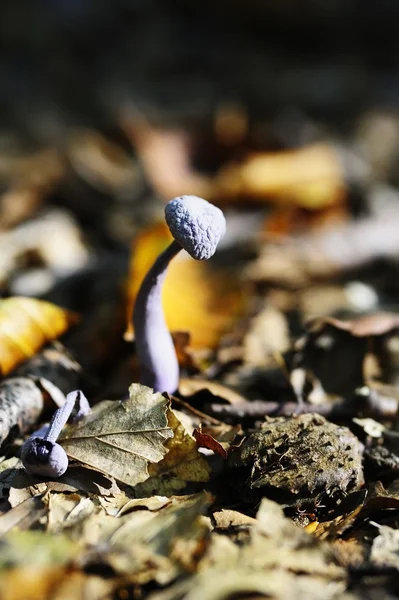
{"x":27,"y":324}
{"x":311,"y":527}
{"x":311,"y":177}
{"x":195,"y":298}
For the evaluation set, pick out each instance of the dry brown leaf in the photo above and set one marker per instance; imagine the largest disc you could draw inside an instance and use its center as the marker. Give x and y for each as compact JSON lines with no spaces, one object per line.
{"x":32,"y":179}
{"x":204,"y":440}
{"x":23,"y":515}
{"x":224,"y":519}
{"x":182,"y":464}
{"x":195,"y":299}
{"x":100,"y":162}
{"x":36,"y":559}
{"x":345,"y":354}
{"x":385,"y":548}
{"x":26,"y":324}
{"x":150,"y":545}
{"x":122,"y":438}
{"x":190,"y":386}
{"x":268,"y":335}
{"x":166,"y":157}
{"x":277,"y":558}
{"x":65,"y":511}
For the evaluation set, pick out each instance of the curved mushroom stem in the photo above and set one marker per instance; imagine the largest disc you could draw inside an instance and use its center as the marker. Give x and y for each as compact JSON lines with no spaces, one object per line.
{"x":62,"y":415}
{"x":156,"y":353}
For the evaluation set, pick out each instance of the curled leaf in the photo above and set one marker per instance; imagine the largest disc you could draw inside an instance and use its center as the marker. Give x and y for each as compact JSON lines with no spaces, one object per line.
{"x":182,"y":464}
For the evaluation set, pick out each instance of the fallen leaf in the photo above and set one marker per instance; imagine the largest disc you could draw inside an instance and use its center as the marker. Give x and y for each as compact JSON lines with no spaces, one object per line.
{"x":154,"y":504}
{"x":23,"y":515}
{"x":26,"y":324}
{"x":217,"y":297}
{"x":224,"y":519}
{"x":122,"y":438}
{"x":189,"y":387}
{"x":204,"y":440}
{"x":21,"y":485}
{"x":65,"y":511}
{"x":17,"y":495}
{"x":181,"y":465}
{"x":276,"y":559}
{"x":267,"y":335}
{"x":80,"y":585}
{"x":38,"y":584}
{"x":166,"y":157}
{"x":103,"y":164}
{"x":311,"y":177}
{"x":385,"y":548}
{"x":21,"y":548}
{"x":365,"y":326}
{"x":344,"y":354}
{"x":148,"y":545}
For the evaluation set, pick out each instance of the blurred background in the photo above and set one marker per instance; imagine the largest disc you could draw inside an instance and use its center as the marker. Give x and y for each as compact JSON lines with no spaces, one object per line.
{"x":282,"y":113}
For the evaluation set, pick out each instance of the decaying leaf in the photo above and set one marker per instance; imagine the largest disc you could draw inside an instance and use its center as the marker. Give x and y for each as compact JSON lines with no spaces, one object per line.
{"x":267,"y":335}
{"x":276,"y":559}
{"x":34,"y":548}
{"x":24,"y":515}
{"x":333,"y":355}
{"x":217,"y":298}
{"x":204,"y":440}
{"x":189,"y":387}
{"x":181,"y":465}
{"x":65,"y":511}
{"x":122,"y":438}
{"x":149,"y":545}
{"x":166,"y":156}
{"x":26,"y":324}
{"x":385,"y":548}
{"x":100,"y":162}
{"x":225,"y":519}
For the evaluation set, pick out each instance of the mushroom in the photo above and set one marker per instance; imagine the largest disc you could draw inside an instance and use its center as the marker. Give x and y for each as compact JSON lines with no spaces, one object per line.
{"x":40,"y":454}
{"x":197,"y":227}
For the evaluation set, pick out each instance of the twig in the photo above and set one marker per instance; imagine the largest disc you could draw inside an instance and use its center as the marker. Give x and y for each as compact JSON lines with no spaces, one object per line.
{"x":258,"y":409}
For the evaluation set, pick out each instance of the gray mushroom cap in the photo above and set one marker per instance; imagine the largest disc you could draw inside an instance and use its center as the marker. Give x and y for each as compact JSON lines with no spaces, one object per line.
{"x":197,"y":225}
{"x":44,"y":458}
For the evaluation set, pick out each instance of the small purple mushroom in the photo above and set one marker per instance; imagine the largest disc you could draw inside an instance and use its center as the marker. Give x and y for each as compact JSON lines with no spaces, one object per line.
{"x":197,"y":227}
{"x":40,"y":454}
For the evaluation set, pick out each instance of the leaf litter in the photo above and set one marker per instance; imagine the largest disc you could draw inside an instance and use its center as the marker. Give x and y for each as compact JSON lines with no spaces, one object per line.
{"x":273,"y":470}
